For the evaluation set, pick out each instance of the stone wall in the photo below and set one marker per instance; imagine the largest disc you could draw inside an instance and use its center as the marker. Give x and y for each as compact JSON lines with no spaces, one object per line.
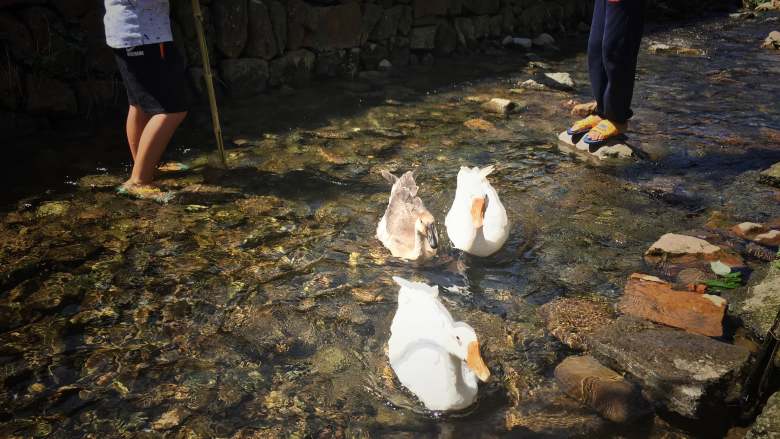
{"x":54,"y":63}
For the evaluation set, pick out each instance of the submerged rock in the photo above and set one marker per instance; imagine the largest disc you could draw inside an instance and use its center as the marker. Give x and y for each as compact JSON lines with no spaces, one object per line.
{"x":544,"y":40}
{"x":571,"y":320}
{"x":772,"y":41}
{"x":100,"y":181}
{"x":675,"y":252}
{"x":479,"y":125}
{"x":689,"y":374}
{"x":757,"y":233}
{"x":767,"y":425}
{"x":500,"y":106}
{"x":170,"y":419}
{"x":771,"y":176}
{"x":604,"y":390}
{"x":650,"y":298}
{"x":666,"y":49}
{"x":561,"y":80}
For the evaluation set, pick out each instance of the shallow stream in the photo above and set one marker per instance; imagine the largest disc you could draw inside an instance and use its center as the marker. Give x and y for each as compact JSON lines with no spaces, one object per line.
{"x":258,"y":303}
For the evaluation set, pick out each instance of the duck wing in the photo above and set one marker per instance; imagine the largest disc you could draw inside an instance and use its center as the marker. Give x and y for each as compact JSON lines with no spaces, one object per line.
{"x":399,"y":216}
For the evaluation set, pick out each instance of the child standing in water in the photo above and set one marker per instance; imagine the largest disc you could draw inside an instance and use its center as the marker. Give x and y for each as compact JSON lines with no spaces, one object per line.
{"x":153,"y":72}
{"x":613,"y":46}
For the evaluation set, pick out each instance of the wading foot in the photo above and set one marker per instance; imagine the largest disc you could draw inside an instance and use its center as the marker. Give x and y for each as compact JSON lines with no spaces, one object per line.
{"x":144,"y":192}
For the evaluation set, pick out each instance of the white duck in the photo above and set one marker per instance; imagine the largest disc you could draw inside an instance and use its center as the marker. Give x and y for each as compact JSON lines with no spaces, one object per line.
{"x":435,"y":357}
{"x":407,"y":228}
{"x":477,"y":221}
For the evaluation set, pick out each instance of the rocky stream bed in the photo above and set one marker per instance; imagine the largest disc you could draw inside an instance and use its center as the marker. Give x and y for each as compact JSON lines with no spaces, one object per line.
{"x":257,"y":303}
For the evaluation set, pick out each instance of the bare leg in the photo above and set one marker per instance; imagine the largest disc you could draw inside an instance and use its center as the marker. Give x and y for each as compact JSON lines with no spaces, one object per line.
{"x":154,"y":140}
{"x":136,"y":122}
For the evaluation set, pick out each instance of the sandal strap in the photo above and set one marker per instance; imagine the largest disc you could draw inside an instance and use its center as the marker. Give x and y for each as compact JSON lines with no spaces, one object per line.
{"x":605,"y":129}
{"x":588,"y":122}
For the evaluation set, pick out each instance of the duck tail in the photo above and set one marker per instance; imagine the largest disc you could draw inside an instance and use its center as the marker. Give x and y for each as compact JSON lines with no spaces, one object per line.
{"x":487,"y":170}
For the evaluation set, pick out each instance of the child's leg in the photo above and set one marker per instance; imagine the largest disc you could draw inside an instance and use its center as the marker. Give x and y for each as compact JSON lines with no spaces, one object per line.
{"x":153,"y":141}
{"x":596,"y":71}
{"x":622,"y":35}
{"x":136,"y":122}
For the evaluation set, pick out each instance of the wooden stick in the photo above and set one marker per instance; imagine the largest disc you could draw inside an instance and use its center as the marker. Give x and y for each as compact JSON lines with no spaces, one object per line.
{"x":209,"y":78}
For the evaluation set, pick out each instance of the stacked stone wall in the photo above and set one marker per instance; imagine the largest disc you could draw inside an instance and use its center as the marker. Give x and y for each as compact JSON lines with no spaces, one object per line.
{"x":54,"y":62}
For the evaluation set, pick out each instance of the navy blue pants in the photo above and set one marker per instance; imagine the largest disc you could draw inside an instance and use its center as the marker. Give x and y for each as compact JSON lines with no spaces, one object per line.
{"x":613,"y":46}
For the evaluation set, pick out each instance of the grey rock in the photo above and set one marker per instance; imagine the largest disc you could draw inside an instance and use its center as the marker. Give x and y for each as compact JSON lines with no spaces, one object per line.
{"x":279,"y":23}
{"x":544,"y":40}
{"x":446,"y":38}
{"x":261,"y":41}
{"x":231,"y":20}
{"x":423,"y":37}
{"x":465,"y":30}
{"x":333,"y":27}
{"x":481,"y":26}
{"x":427,"y":8}
{"x":761,"y":303}
{"x":16,"y":36}
{"x":771,"y":176}
{"x":387,"y":27}
{"x":767,"y":424}
{"x":687,"y":373}
{"x":560,"y":80}
{"x":47,"y":95}
{"x":245,"y":76}
{"x":481,"y":7}
{"x":295,"y":68}
{"x":372,"y":13}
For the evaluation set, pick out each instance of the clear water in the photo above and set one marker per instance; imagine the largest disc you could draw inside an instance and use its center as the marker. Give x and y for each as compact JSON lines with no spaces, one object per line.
{"x":262,"y":306}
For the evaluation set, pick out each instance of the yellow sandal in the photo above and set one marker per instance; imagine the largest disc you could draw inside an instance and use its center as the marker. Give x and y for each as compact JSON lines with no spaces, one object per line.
{"x":584,"y":125}
{"x":606,"y":130}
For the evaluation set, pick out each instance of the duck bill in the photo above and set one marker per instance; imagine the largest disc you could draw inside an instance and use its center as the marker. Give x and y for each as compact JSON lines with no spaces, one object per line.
{"x":475,"y":362}
{"x":478,"y":211}
{"x":432,"y":236}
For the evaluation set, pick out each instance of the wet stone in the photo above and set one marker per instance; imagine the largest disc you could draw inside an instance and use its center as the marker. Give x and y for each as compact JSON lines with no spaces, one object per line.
{"x":651,"y":298}
{"x":571,"y":320}
{"x":479,"y":125}
{"x":331,"y":360}
{"x":689,"y":374}
{"x":52,"y":208}
{"x":767,"y":424}
{"x":500,"y":106}
{"x":100,"y":181}
{"x":170,"y":419}
{"x":676,"y":252}
{"x":761,"y":303}
{"x":602,"y":389}
{"x":771,"y":176}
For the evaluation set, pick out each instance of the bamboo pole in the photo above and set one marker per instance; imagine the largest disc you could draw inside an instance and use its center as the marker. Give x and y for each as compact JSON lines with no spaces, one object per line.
{"x":204,"y":52}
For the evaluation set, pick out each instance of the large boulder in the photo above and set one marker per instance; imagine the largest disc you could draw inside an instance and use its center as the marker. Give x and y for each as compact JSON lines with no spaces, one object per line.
{"x":689,"y":374}
{"x":295,"y":67}
{"x":761,"y":303}
{"x":279,"y":23}
{"x":481,"y":7}
{"x":423,"y":37}
{"x":767,"y":425}
{"x":16,"y":37}
{"x":261,"y":40}
{"x":231,"y":20}
{"x":387,"y":26}
{"x":650,"y":298}
{"x":244,"y":76}
{"x":334,"y":27}
{"x":47,"y":95}
{"x":604,"y":390}
{"x":426,"y":8}
{"x":771,"y":176}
